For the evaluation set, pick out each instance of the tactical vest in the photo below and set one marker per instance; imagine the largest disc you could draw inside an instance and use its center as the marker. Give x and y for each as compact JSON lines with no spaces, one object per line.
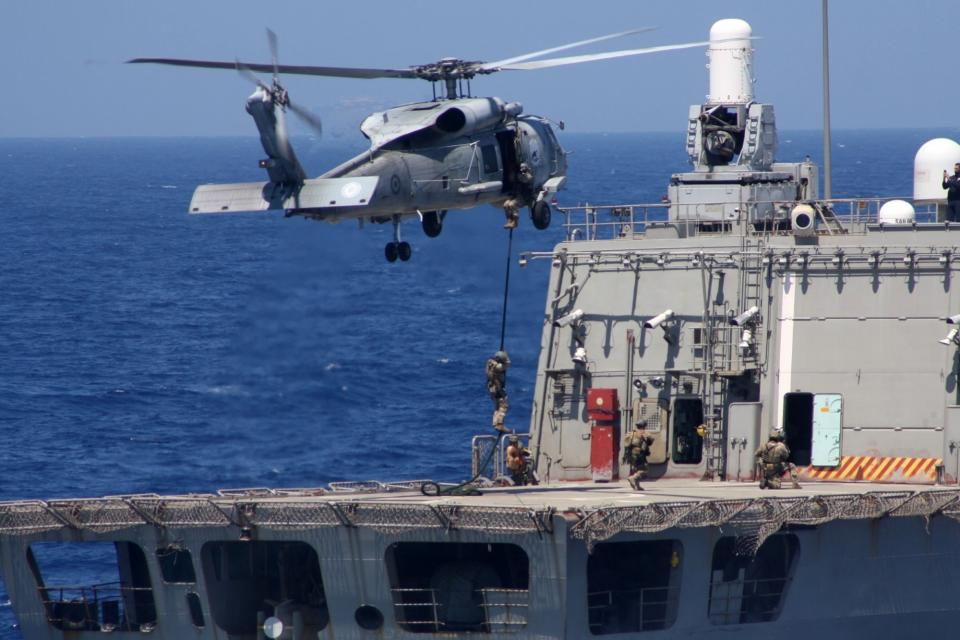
{"x":771,"y":453}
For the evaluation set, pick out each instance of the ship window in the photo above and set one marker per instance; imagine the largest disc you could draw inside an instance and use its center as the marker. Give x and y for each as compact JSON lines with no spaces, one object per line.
{"x":687,"y":443}
{"x":94,"y":586}
{"x":196,"y":610}
{"x":751,"y":588}
{"x":456,"y":587}
{"x":798,"y":426}
{"x":490,"y":163}
{"x":633,"y":586}
{"x":275,"y":578}
{"x":176,"y":565}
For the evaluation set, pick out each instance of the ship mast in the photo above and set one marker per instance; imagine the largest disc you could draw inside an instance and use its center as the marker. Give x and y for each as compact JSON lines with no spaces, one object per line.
{"x":825,"y":38}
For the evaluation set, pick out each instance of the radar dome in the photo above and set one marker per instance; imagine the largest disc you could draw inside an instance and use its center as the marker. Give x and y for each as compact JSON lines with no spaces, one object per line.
{"x":932,"y":159}
{"x":897,"y":212}
{"x":731,"y":62}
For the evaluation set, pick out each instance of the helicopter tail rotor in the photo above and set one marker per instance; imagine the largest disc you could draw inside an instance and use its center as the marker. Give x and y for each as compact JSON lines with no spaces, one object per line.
{"x":278,"y":93}
{"x":268,"y":106}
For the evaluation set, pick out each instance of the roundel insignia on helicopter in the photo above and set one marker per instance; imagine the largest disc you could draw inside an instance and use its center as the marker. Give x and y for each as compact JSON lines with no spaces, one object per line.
{"x":351,"y":190}
{"x":395,"y":183}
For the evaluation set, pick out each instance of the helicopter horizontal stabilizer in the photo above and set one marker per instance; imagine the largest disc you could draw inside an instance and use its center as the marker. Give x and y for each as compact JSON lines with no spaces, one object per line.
{"x":317,"y":193}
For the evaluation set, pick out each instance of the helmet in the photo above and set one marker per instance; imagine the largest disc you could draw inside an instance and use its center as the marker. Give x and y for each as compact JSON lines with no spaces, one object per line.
{"x":777,"y":435}
{"x":641,"y":423}
{"x":501,"y":356}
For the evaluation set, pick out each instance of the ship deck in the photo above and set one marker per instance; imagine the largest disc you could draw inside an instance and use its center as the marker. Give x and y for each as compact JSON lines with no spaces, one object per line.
{"x":582,"y":496}
{"x":591,"y":511}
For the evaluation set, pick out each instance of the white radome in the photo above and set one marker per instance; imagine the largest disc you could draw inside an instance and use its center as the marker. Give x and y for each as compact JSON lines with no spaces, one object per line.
{"x":932,"y":159}
{"x":731,"y":62}
{"x":897,"y":212}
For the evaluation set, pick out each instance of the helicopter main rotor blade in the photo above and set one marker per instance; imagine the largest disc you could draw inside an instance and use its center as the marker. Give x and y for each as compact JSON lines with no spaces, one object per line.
{"x":307,"y":118}
{"x":492,"y":66}
{"x":557,"y":62}
{"x":247,"y":74}
{"x":274,"y":56}
{"x":303,"y":70}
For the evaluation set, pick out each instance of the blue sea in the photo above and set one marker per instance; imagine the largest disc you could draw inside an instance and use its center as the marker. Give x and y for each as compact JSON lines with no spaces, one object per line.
{"x":145,"y":350}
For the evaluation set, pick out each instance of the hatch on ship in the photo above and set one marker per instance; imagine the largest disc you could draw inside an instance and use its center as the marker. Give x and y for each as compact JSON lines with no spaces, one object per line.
{"x":94,"y":586}
{"x":449,"y":586}
{"x":248,"y":581}
{"x":633,"y":586}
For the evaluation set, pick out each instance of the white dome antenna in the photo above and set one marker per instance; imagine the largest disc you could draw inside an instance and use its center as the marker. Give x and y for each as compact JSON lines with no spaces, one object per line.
{"x":731,"y":62}
{"x":932,"y":159}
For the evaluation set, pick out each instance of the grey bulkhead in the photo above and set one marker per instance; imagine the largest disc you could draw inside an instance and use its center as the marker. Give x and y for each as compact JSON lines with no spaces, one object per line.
{"x":868,"y":334}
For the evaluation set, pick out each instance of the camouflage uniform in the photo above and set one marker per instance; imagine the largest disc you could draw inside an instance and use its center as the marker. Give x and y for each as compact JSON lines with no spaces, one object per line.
{"x":774,"y":457}
{"x":636,"y":449}
{"x":497,"y":387}
{"x":511,"y":208}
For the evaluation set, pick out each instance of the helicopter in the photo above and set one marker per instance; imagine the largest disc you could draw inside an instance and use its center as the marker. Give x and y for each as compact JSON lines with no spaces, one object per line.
{"x":455,"y":151}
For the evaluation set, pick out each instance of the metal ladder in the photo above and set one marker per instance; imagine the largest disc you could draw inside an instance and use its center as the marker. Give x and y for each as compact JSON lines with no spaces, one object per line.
{"x":718,"y":358}
{"x":715,"y":392}
{"x":829,"y":219}
{"x":752,"y":294}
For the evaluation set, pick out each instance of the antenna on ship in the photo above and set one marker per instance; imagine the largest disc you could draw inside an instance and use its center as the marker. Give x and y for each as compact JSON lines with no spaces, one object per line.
{"x":825,"y":37}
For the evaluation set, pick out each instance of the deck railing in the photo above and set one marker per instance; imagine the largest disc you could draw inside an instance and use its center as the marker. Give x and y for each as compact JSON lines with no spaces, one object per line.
{"x":759,"y":600}
{"x":99,"y":607}
{"x":608,"y":222}
{"x":626,"y":610}
{"x":421,"y":611}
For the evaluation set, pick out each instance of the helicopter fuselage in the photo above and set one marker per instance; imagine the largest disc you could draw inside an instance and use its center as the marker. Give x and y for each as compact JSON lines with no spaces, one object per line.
{"x":450,"y":161}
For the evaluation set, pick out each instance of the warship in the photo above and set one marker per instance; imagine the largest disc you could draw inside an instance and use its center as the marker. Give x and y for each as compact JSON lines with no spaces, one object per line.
{"x":744,"y":304}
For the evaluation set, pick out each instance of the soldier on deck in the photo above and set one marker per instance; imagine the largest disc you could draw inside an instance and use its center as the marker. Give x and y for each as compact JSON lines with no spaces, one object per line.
{"x":636,"y":450}
{"x":774,"y":458}
{"x":518,"y":462}
{"x":497,"y":387}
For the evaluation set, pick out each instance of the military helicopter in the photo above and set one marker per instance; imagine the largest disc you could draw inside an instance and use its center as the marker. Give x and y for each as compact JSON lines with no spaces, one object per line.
{"x":454,"y":152}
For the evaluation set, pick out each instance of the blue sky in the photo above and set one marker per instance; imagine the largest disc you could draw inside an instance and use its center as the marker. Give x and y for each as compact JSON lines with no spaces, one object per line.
{"x":892,"y":61}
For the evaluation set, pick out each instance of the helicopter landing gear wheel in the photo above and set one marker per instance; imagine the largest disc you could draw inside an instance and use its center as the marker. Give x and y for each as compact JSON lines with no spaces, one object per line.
{"x":540,"y":214}
{"x":391,"y":251}
{"x":397,"y":248}
{"x":433,"y":223}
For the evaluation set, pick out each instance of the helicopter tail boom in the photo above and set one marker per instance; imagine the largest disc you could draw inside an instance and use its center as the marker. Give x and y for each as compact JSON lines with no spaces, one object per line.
{"x":315,"y":194}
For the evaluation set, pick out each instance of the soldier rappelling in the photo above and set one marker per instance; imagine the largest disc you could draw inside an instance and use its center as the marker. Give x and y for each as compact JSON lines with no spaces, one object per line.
{"x":497,"y":387}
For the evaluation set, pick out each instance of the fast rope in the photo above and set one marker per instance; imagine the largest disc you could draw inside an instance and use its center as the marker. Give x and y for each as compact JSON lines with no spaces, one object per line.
{"x":466,"y":488}
{"x":506,"y":291}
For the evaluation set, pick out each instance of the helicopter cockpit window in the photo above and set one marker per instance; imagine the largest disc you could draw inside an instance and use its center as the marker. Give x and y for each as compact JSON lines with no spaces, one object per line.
{"x":490,"y":161}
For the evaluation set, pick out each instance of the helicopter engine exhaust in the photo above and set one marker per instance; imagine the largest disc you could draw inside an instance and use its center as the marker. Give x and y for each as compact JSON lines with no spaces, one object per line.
{"x":475,"y":114}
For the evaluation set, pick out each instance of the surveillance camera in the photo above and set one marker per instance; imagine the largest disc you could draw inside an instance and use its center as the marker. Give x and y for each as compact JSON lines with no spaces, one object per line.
{"x":954,"y":319}
{"x":571,"y":318}
{"x":951,"y":337}
{"x":656,"y":321}
{"x":746,"y":317}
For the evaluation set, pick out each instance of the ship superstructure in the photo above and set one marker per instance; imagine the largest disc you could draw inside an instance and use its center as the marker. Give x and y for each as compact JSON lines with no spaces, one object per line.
{"x":743,"y":304}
